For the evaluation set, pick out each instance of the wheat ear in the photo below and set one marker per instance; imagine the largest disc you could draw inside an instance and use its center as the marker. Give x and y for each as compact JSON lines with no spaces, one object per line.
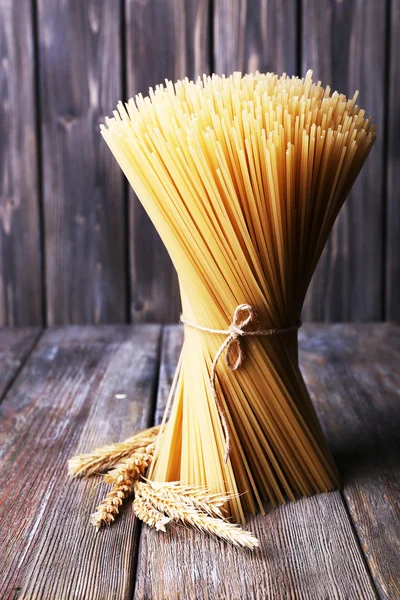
{"x":192,"y":495}
{"x":122,"y":478}
{"x":188,"y":514}
{"x":106,"y":457}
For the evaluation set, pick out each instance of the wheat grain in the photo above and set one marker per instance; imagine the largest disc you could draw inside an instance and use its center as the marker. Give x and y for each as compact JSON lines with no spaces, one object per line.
{"x":192,"y":495}
{"x":135,"y":465}
{"x":149,"y":515}
{"x":122,"y":478}
{"x":106,"y":457}
{"x":107,"y":511}
{"x":190,"y":515}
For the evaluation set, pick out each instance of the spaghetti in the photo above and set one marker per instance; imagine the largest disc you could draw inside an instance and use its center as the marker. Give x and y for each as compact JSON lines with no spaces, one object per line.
{"x":243,"y":177}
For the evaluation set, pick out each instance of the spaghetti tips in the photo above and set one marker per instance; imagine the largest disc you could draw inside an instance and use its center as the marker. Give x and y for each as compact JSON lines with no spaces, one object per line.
{"x":243,"y":177}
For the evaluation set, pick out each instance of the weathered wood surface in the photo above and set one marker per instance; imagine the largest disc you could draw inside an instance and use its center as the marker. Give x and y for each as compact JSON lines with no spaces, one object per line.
{"x":393,"y":169}
{"x":80,"y":389}
{"x":84,"y":205}
{"x":353,"y":374}
{"x":308,"y":549}
{"x":15,"y":347}
{"x":164,"y":40}
{"x":83,"y":387}
{"x":20,"y":255}
{"x":344,"y":44}
{"x":72,"y":248}
{"x":257,"y":35}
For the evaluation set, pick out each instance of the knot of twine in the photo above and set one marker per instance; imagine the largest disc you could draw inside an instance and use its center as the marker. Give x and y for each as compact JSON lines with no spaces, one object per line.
{"x":244,"y":315}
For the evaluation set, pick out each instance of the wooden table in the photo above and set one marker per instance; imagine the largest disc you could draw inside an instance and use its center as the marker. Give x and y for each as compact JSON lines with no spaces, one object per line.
{"x":68,"y":390}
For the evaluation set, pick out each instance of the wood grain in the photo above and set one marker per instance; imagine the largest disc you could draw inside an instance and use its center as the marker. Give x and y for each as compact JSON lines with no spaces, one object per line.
{"x":258,"y":35}
{"x":353,"y":374}
{"x":308,"y":548}
{"x":65,"y":401}
{"x":80,"y":389}
{"x":164,"y":39}
{"x":80,"y":83}
{"x":20,"y":256}
{"x":393,"y":170}
{"x":15,"y":347}
{"x":344,"y":43}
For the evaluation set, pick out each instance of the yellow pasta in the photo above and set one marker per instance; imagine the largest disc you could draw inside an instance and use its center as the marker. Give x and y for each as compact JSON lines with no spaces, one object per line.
{"x":243,"y":177}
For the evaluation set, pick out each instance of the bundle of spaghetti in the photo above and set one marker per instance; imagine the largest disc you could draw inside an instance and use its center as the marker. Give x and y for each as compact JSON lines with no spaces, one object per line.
{"x":243,"y":177}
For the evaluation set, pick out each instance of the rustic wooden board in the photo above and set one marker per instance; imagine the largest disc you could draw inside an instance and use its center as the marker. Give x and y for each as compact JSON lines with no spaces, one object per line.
{"x":308,"y":549}
{"x":344,"y":43}
{"x":102,"y":261}
{"x":164,"y":40}
{"x":15,"y":347}
{"x":259,"y":35}
{"x":20,"y":255}
{"x":393,"y":170}
{"x":353,"y":374}
{"x":65,"y":402}
{"x":84,"y":205}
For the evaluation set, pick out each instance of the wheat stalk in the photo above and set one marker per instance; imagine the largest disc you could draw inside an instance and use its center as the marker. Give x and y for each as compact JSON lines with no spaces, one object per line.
{"x":182,"y":511}
{"x":106,"y":457}
{"x":156,"y":503}
{"x":122,"y":478}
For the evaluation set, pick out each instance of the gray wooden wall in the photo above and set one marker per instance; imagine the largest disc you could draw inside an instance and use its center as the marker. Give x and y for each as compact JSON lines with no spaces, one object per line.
{"x":75,"y":244}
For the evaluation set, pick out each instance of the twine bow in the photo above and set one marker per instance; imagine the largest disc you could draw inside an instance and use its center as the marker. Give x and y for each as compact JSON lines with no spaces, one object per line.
{"x":244,"y":315}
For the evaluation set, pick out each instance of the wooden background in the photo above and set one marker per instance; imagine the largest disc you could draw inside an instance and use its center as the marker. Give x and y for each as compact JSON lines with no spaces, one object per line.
{"x":75,"y":245}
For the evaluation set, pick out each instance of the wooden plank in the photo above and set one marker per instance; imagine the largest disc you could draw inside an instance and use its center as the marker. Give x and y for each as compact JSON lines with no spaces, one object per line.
{"x":15,"y":347}
{"x":20,"y":254}
{"x":167,"y":39}
{"x":393,"y":171}
{"x":80,"y":83}
{"x":81,"y":388}
{"x":353,"y":374}
{"x":307,"y":549}
{"x":259,"y":35}
{"x":344,"y":43}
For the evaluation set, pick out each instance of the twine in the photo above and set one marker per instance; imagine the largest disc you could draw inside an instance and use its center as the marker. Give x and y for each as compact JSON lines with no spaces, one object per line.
{"x":244,"y":315}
